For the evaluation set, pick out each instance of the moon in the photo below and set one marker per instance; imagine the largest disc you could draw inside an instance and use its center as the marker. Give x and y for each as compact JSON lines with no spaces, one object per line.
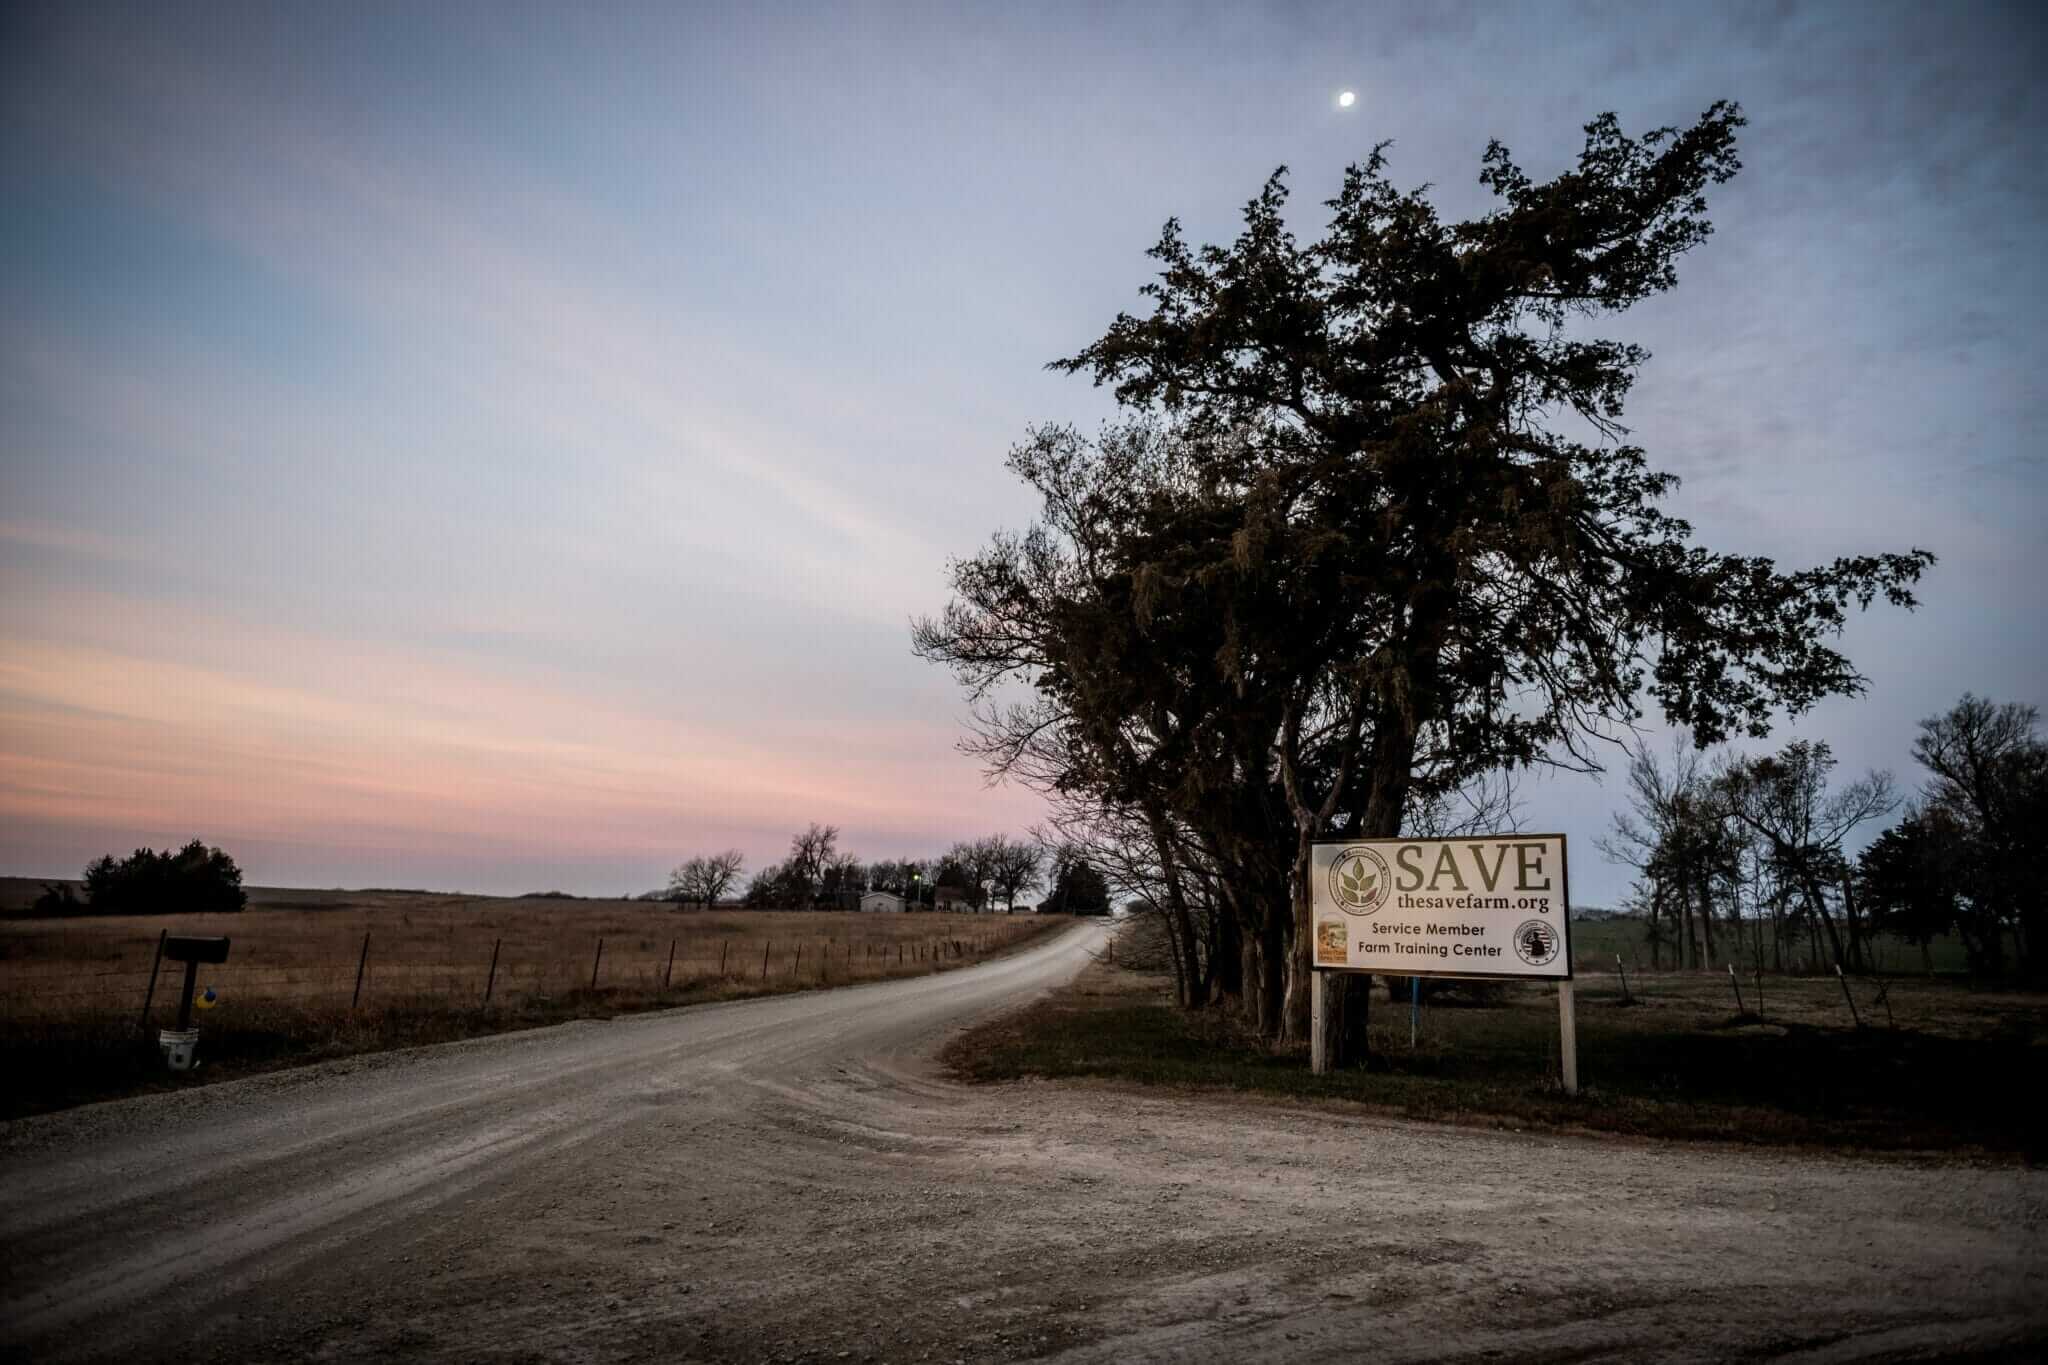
{"x":1347,"y":99}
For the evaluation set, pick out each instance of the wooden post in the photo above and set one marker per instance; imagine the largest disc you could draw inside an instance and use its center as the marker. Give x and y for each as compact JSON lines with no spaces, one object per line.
{"x":361,"y":962}
{"x":185,"y":1000}
{"x":595,"y":960}
{"x":798,"y":964}
{"x":150,"y":994}
{"x":723,"y":949}
{"x":1567,"y":1037}
{"x":1318,"y":1035}
{"x":492,"y":979}
{"x":764,"y":958}
{"x":1736,"y":982}
{"x":1622,"y":972}
{"x":669,"y":974}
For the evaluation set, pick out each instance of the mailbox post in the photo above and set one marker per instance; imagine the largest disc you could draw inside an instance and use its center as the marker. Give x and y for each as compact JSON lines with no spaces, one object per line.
{"x":181,"y":1043}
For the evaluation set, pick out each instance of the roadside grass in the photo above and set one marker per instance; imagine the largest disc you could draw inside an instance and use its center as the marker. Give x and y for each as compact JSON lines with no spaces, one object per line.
{"x":1962,"y":1072}
{"x":72,"y":1027}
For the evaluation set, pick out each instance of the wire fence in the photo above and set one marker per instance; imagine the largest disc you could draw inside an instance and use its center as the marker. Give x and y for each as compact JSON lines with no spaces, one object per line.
{"x":481,"y":973}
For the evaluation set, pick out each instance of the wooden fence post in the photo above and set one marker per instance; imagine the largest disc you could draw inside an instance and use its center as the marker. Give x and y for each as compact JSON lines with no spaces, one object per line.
{"x":492,"y":979}
{"x":150,"y":994}
{"x":670,"y":973}
{"x":765,"y":946}
{"x":361,"y":962}
{"x":595,"y":960}
{"x":722,"y":950}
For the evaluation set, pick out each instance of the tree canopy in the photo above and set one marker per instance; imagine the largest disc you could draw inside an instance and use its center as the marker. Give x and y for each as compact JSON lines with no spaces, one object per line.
{"x":1371,"y":528}
{"x":194,"y":879}
{"x":1972,"y":855}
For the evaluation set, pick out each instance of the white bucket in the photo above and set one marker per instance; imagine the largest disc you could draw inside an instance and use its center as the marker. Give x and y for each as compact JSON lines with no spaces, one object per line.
{"x":179,"y":1045}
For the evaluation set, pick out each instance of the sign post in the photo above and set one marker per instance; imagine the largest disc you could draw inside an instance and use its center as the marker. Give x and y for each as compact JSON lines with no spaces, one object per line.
{"x":1487,"y":907}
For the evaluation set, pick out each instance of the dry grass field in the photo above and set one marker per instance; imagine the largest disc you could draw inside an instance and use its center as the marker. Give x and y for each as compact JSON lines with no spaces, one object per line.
{"x":1921,"y":1063}
{"x":72,"y":991}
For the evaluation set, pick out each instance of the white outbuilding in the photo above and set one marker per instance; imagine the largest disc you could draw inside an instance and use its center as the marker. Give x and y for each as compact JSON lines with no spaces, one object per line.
{"x":882,"y":900}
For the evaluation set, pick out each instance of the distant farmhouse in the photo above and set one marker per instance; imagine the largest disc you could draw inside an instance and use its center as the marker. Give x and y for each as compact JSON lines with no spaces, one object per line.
{"x":950,"y":898}
{"x":886,"y":901}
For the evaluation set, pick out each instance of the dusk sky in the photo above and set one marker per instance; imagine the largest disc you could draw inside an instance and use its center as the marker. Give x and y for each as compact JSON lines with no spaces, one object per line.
{"x":502,"y":448}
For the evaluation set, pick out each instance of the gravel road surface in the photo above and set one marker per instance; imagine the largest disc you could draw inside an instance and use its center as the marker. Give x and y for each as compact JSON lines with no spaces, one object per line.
{"x":788,"y":1178}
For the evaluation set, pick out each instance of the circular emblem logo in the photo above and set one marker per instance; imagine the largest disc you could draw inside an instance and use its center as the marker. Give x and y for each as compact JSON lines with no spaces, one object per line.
{"x":1360,"y":881}
{"x":1536,"y":943}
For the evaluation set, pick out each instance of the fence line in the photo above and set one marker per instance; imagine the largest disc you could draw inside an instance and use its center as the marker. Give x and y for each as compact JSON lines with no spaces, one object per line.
{"x":498,"y":975}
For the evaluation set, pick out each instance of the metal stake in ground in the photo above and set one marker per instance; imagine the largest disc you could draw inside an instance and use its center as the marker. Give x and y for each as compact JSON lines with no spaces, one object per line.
{"x":1622,"y":972}
{"x":492,"y":979}
{"x":1736,"y":982}
{"x":595,"y":960}
{"x":665,"y":976}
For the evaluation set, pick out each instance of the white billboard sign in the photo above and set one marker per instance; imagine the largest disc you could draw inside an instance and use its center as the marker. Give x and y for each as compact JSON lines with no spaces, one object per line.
{"x":1491,"y":905}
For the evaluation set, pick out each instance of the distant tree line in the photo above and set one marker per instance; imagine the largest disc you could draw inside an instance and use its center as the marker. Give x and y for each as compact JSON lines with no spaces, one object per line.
{"x":819,"y":874}
{"x":1744,"y":857}
{"x":195,"y":879}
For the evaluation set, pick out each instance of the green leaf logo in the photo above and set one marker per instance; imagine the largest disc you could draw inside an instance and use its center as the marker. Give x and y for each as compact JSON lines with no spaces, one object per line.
{"x":1358,"y":883}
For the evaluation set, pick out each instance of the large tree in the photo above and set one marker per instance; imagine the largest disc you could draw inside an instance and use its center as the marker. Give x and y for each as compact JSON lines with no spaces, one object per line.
{"x":705,"y":880}
{"x":1375,"y":527}
{"x":811,"y":853}
{"x":1986,"y":799}
{"x":1017,"y":867}
{"x":1786,"y":799}
{"x":193,"y":879}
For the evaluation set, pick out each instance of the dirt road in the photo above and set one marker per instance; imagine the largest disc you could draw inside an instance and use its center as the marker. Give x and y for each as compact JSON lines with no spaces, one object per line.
{"x":788,"y":1178}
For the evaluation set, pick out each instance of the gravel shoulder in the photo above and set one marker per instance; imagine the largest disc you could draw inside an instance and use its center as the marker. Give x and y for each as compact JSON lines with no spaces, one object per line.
{"x":792,"y":1178}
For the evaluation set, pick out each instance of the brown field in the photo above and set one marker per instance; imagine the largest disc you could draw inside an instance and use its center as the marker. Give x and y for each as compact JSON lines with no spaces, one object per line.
{"x":1923,"y":1062}
{"x":72,"y":991}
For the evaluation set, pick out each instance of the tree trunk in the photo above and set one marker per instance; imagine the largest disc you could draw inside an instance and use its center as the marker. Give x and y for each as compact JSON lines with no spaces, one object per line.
{"x":1272,"y":974}
{"x":1858,"y":961}
{"x":1353,"y":1044}
{"x":1252,"y":974}
{"x":1194,"y":986}
{"x":1300,"y":956}
{"x":1819,"y":905}
{"x":1704,"y":888}
{"x":1348,"y":1007}
{"x":1226,"y":953}
{"x":1688,"y":949}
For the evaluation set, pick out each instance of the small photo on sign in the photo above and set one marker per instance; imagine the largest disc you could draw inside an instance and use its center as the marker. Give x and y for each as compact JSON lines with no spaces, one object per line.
{"x":1332,"y":942}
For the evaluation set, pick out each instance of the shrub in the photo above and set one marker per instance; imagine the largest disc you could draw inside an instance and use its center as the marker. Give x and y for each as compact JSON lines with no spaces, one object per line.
{"x":195,"y":879}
